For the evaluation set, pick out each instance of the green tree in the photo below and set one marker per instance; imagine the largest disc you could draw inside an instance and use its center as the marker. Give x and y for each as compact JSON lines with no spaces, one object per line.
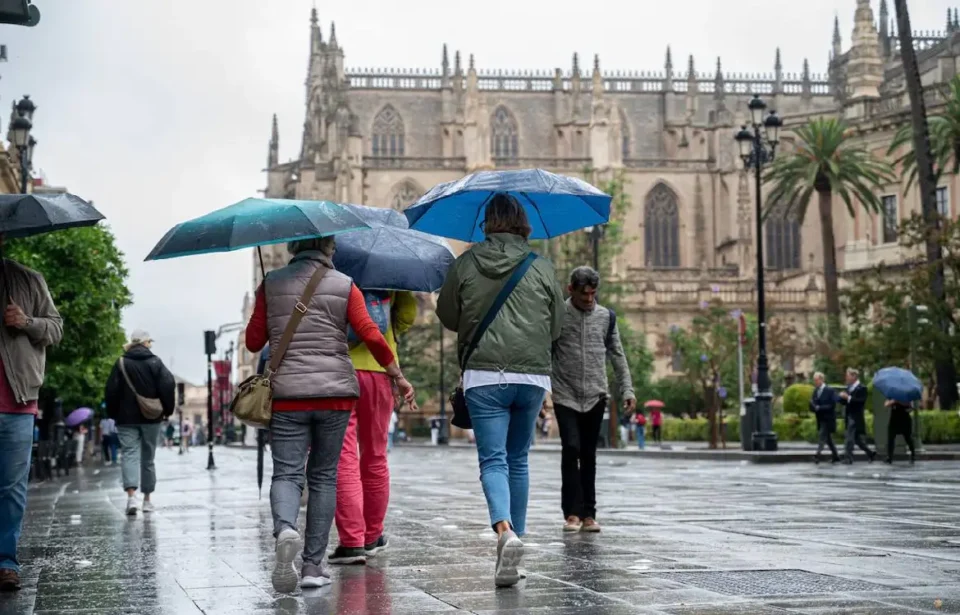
{"x":944,"y":140}
{"x":924,"y":159}
{"x":827,"y":162}
{"x":419,"y":353}
{"x":87,"y":277}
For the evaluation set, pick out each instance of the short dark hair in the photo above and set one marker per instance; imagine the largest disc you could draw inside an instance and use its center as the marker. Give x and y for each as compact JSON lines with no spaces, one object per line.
{"x":583,"y":277}
{"x":505,"y":215}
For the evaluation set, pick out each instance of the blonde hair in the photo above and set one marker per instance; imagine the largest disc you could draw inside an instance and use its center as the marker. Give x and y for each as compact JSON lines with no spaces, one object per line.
{"x":853,"y":372}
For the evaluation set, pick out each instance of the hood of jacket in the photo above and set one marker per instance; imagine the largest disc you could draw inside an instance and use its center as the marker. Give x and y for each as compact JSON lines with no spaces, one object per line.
{"x":138,"y":353}
{"x":499,"y":254}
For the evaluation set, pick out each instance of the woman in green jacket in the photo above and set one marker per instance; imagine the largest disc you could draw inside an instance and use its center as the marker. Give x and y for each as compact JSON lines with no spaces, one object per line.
{"x":508,"y":375}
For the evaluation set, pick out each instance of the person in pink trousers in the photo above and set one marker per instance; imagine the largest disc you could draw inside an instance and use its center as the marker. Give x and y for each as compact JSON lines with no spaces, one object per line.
{"x":363,"y":476}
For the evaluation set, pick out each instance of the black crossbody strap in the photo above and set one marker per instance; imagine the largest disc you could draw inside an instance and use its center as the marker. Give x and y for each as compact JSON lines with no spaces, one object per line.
{"x":498,"y":302}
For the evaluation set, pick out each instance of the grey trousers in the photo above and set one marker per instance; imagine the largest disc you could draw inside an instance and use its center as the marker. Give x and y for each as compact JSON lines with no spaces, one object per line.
{"x":855,"y":428}
{"x":292,"y":436}
{"x":138,"y":444}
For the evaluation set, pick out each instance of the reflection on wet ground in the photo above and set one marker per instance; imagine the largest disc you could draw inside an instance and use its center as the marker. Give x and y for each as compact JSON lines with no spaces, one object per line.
{"x":679,"y":537}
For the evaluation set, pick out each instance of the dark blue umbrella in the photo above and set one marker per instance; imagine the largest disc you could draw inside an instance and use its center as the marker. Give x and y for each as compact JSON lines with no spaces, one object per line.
{"x":389,"y":256}
{"x":254,"y":223}
{"x":898,"y":384}
{"x":555,"y":204}
{"x":23,"y":215}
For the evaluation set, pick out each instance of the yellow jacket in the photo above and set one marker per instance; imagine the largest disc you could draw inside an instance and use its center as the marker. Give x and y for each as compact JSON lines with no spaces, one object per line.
{"x":403,"y":314}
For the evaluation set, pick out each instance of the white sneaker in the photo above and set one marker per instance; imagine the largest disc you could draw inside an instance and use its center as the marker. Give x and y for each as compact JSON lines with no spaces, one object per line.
{"x":132,"y":506}
{"x":148,"y":506}
{"x":509,"y":554}
{"x":284,"y":573}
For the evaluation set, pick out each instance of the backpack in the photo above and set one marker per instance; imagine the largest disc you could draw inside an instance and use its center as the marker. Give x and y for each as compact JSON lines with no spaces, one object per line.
{"x":378,"y":306}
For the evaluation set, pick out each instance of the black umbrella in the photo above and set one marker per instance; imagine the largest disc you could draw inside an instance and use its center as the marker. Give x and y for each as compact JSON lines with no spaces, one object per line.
{"x":23,"y":215}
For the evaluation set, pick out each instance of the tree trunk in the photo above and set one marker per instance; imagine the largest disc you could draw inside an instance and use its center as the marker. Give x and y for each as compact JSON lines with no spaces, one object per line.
{"x":943,"y":356}
{"x":830,"y":278}
{"x":710,"y":397}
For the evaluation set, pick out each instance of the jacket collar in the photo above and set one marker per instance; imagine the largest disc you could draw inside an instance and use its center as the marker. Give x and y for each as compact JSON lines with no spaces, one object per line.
{"x":314,"y":255}
{"x":138,"y":353}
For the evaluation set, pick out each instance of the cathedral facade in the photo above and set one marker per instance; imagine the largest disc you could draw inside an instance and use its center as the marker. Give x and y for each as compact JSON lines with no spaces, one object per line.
{"x":383,"y":137}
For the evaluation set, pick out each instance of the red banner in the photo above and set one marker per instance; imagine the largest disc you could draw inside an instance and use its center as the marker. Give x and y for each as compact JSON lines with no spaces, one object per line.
{"x":743,"y":330}
{"x":222,"y":387}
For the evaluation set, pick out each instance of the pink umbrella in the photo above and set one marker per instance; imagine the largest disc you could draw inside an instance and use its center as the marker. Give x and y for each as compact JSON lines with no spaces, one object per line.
{"x":80,"y":415}
{"x":654,"y":403}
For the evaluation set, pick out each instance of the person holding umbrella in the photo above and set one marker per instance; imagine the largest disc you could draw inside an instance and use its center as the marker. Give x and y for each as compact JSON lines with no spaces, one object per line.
{"x":31,"y":323}
{"x":655,"y":407}
{"x":901,"y":388}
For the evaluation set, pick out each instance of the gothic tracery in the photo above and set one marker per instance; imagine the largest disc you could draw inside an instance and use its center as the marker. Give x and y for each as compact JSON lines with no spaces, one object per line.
{"x":388,"y":133}
{"x":504,"y":135}
{"x":662,"y":228}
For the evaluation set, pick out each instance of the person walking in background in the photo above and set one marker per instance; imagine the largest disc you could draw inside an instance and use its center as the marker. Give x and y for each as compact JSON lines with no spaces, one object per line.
{"x":392,"y":430}
{"x":656,"y":422}
{"x":506,"y":370}
{"x":627,"y":423}
{"x":108,"y":440}
{"x":640,"y":426}
{"x":824,"y":406}
{"x":31,"y":324}
{"x":580,"y":394}
{"x":363,"y":476}
{"x":139,"y":374}
{"x":855,"y":421}
{"x":315,"y":390}
{"x":900,"y":424}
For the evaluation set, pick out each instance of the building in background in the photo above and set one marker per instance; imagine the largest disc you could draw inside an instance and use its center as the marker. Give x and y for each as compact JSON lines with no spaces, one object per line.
{"x":384,"y":136}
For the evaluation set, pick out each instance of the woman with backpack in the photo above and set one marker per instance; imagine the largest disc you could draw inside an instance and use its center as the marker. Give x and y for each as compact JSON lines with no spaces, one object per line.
{"x":315,"y":390}
{"x":140,"y":395}
{"x":506,"y":368}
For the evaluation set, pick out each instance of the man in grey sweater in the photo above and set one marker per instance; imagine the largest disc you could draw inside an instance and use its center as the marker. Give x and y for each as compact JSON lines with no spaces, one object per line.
{"x":580,"y":394}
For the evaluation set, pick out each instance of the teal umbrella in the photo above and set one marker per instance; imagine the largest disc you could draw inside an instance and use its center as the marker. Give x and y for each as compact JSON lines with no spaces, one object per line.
{"x":252,"y":223}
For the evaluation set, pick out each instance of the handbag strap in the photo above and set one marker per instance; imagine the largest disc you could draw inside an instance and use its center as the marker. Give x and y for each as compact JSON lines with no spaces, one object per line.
{"x":299,"y":311}
{"x":494,"y":309}
{"x":123,"y":370}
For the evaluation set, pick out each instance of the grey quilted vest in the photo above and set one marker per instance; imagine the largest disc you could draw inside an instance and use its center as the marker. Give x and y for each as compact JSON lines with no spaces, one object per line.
{"x":317,"y":363}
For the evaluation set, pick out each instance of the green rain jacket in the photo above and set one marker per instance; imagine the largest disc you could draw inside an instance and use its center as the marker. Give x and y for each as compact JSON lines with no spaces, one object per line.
{"x":520,"y":338}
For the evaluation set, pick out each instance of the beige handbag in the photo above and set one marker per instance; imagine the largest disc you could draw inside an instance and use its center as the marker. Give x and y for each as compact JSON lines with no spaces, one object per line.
{"x":253,"y":404}
{"x":150,"y":408}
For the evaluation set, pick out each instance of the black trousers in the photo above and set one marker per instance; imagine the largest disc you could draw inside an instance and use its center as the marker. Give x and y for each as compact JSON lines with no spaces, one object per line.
{"x":900,"y":423}
{"x":578,"y":460}
{"x":825,"y":429}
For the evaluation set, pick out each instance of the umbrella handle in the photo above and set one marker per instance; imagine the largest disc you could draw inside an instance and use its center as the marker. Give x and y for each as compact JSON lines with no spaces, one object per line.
{"x":263,"y":272}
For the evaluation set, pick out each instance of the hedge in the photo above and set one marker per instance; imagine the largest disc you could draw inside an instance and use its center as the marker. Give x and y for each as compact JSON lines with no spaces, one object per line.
{"x":796,"y":399}
{"x":936,"y":427}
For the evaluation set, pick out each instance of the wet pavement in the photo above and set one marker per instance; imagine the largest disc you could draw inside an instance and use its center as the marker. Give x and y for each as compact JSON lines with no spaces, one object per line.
{"x":680,"y":537}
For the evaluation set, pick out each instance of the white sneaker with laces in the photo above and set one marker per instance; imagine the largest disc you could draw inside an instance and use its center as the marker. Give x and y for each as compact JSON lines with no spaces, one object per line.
{"x":284,"y":573}
{"x":148,"y":506}
{"x":132,"y":505}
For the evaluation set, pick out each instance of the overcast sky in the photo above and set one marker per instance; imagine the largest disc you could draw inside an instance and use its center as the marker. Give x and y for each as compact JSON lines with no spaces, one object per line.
{"x":159,"y":110}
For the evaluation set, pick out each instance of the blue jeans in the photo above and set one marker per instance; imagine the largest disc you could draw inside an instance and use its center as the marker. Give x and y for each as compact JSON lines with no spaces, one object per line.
{"x":503,"y":420}
{"x":16,"y":445}
{"x":641,"y":435}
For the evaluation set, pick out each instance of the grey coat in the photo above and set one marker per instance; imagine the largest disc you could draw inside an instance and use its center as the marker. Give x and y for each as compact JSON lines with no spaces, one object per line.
{"x":24,"y":352}
{"x":317,"y":363}
{"x":580,"y":360}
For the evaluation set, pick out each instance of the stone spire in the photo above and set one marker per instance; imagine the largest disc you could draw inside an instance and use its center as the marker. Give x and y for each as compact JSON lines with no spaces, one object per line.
{"x":273,"y":153}
{"x":316,"y":36}
{"x":865,"y":68}
{"x":333,"y":35}
{"x":837,"y":41}
{"x":575,"y":88}
{"x":719,"y":86}
{"x":956,"y":19}
{"x":668,"y":72}
{"x":597,"y":77}
{"x":691,"y":77}
{"x":778,"y":74}
{"x":806,"y":87}
{"x":576,"y":64}
{"x":885,"y":45}
{"x":445,"y":69}
{"x":457,"y":69}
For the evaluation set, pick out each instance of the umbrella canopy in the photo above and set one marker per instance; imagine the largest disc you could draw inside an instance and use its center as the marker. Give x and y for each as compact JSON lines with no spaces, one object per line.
{"x":23,"y":215}
{"x":253,"y":223}
{"x":555,"y":204}
{"x":80,"y":415}
{"x":389,"y":256}
{"x":898,"y":384}
{"x":654,"y":403}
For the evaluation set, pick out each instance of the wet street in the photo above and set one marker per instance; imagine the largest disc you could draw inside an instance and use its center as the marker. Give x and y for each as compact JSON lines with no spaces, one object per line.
{"x":680,"y":537}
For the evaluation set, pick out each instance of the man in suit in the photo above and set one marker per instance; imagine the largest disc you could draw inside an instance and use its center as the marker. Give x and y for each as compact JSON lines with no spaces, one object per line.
{"x":855,"y":399}
{"x":824,"y":405}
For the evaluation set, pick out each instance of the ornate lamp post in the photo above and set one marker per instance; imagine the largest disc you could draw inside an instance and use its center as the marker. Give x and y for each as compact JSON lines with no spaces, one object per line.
{"x":20,"y":129}
{"x":758,"y":146}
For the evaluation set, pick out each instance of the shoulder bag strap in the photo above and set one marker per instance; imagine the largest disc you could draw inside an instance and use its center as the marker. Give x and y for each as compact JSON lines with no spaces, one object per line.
{"x":123,"y":370}
{"x":299,"y":311}
{"x":494,"y":309}
{"x":611,"y":327}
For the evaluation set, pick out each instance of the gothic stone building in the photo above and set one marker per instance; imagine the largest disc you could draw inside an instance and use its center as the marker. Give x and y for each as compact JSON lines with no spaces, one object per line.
{"x":384,"y":136}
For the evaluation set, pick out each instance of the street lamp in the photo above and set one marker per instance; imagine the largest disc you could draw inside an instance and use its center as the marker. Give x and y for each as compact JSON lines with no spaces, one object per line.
{"x":20,"y":129}
{"x":758,"y":146}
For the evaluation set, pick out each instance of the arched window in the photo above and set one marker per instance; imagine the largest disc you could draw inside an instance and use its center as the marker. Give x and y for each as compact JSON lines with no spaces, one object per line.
{"x":504,"y":135}
{"x":662,"y":228}
{"x":624,"y":136}
{"x":388,"y":133}
{"x":782,"y":234}
{"x":405,"y":194}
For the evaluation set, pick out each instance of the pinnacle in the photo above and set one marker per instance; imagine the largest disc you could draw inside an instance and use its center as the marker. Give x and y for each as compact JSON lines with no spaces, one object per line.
{"x":669,"y":63}
{"x":778,"y":65}
{"x":596,"y":62}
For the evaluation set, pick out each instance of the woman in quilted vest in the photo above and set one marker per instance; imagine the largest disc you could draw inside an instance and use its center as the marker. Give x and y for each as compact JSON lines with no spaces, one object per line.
{"x":315,"y":391}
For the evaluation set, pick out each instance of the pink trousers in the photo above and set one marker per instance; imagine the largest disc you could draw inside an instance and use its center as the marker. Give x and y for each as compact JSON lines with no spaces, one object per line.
{"x":363,"y":478}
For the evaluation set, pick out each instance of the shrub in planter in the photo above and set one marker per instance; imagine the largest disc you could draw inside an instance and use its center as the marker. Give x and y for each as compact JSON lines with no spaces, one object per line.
{"x":796,"y":399}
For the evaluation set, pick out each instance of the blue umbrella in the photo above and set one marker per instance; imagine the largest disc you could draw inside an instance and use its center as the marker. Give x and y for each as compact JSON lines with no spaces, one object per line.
{"x":254,"y":223}
{"x":555,"y":204}
{"x":389,"y":256}
{"x":898,"y":384}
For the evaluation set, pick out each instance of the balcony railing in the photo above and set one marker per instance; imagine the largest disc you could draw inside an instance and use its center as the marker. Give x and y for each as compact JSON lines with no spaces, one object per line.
{"x":410,"y":163}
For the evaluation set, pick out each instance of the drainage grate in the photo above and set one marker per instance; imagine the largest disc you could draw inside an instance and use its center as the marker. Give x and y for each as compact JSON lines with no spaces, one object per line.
{"x":769,"y":582}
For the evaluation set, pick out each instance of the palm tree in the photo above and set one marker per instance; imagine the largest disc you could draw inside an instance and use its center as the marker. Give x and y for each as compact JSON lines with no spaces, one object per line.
{"x":944,"y":140}
{"x":826,"y":161}
{"x":923,"y":157}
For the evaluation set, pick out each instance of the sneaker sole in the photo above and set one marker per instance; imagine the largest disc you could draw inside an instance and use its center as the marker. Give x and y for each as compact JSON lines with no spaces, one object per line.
{"x":591,"y":529}
{"x":356,"y":560}
{"x":571,"y":529}
{"x":131,"y":512}
{"x":314,"y":582}
{"x":507,"y":574}
{"x":284,"y":574}
{"x":377,"y":550}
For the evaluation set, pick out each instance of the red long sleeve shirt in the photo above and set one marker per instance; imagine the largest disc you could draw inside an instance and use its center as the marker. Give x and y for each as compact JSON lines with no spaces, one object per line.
{"x":257,"y":336}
